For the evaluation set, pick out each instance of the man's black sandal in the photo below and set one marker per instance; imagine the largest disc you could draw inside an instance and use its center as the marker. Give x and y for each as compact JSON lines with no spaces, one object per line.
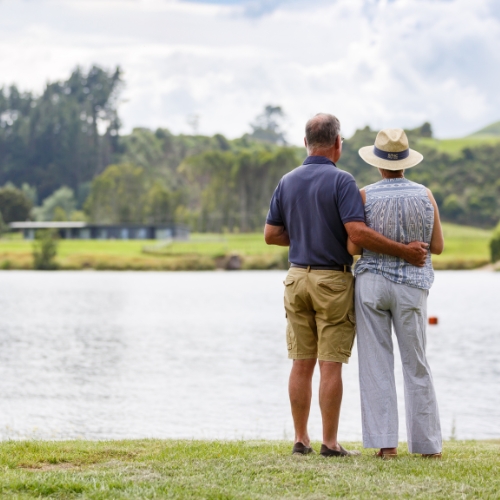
{"x":300,"y":449}
{"x":327,"y":452}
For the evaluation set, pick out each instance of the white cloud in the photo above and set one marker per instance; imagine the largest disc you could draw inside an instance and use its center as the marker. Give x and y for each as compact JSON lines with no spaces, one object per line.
{"x":377,"y":62}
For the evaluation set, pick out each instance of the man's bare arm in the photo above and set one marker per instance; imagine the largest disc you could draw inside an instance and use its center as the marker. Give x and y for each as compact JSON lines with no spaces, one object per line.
{"x":361,"y":235}
{"x":353,"y":249}
{"x":276,"y":235}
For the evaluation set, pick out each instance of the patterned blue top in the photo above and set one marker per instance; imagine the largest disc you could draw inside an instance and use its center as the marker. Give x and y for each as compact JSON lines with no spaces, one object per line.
{"x":400,"y":210}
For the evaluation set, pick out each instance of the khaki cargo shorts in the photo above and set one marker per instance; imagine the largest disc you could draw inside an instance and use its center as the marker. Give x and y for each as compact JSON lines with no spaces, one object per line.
{"x":320,"y":314}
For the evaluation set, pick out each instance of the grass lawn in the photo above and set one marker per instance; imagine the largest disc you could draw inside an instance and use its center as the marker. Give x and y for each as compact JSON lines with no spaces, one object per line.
{"x":214,"y":245}
{"x":465,"y":247}
{"x":240,"y":470}
{"x":210,"y":245}
{"x":199,"y":253}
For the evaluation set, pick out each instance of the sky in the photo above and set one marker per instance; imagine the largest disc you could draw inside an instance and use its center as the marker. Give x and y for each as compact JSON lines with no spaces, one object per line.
{"x":383,"y":63}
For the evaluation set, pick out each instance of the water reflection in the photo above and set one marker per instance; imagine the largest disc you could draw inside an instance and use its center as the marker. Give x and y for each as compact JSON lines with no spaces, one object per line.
{"x":104,"y":355}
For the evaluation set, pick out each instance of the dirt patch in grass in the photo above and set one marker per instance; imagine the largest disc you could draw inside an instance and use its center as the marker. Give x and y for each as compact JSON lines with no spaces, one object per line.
{"x":46,"y":467}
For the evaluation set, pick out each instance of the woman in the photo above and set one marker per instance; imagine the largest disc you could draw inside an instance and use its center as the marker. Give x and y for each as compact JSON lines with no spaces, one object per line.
{"x":391,"y":292}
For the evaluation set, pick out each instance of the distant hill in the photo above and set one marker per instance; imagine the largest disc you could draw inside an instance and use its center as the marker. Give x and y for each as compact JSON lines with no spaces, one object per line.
{"x":492,"y":130}
{"x":489,"y":135}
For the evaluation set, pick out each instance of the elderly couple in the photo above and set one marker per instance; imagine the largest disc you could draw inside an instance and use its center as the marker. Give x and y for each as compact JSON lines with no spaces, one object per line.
{"x":394,"y":224}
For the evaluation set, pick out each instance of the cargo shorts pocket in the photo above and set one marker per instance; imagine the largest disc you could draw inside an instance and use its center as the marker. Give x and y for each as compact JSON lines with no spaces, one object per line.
{"x":291,"y":341}
{"x":289,"y":281}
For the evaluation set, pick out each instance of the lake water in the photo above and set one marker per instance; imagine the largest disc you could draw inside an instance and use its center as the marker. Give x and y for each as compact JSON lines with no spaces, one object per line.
{"x":103,"y":355}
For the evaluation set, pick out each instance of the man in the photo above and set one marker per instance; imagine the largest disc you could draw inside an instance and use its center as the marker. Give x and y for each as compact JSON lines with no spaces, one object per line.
{"x":313,"y":210}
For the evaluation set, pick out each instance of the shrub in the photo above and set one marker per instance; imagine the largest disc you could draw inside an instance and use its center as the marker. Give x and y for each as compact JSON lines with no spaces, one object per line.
{"x":45,"y":250}
{"x":3,"y":226}
{"x":13,"y":204}
{"x":495,"y":245}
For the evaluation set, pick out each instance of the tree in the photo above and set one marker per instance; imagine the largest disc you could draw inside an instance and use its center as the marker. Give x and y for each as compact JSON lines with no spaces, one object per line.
{"x":452,"y":207}
{"x":117,"y":195}
{"x":14,"y":205}
{"x":233,"y":188}
{"x":65,"y":136}
{"x":58,"y":206}
{"x":160,"y":152}
{"x":158,"y":204}
{"x":268,"y":125}
{"x":30,"y":193}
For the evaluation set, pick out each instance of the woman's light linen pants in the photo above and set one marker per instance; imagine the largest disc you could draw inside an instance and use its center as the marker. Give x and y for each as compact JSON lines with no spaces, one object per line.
{"x":380,"y":303}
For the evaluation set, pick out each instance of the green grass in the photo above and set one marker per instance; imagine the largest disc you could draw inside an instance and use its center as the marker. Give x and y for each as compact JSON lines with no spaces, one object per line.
{"x":454,"y":147}
{"x":72,"y":247}
{"x":239,"y":470}
{"x":214,"y":245}
{"x":465,"y":248}
{"x":201,"y":252}
{"x":210,"y":245}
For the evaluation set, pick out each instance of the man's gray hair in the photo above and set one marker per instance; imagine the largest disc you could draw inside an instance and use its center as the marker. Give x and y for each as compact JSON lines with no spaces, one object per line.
{"x":322,"y":131}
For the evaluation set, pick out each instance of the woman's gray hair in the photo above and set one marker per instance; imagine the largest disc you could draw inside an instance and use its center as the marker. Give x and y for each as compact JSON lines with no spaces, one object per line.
{"x":322,"y":131}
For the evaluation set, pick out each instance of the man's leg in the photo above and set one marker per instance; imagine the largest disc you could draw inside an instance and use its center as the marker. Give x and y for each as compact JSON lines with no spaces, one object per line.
{"x":330,"y":399}
{"x":300,"y":390}
{"x":422,"y":415}
{"x":333,"y":302}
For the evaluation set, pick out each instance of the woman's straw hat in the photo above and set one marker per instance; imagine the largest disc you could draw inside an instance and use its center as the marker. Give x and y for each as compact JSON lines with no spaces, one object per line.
{"x":391,"y":151}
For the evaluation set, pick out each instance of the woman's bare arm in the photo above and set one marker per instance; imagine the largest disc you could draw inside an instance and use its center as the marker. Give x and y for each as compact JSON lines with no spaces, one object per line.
{"x":437,"y":239}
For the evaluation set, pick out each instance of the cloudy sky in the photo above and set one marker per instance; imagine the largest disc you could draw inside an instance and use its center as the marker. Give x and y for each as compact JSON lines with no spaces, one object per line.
{"x":376,"y":62}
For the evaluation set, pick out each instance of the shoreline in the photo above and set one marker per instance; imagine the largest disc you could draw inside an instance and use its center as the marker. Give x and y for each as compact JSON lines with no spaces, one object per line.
{"x":230,"y":262}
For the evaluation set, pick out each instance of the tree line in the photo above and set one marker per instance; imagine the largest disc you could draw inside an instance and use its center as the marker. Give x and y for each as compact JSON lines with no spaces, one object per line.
{"x":62,"y":157}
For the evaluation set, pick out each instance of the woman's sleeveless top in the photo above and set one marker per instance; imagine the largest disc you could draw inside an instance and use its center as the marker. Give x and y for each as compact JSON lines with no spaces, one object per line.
{"x":401,"y":210}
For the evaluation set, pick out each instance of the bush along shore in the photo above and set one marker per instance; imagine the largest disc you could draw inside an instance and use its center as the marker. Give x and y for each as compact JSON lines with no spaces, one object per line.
{"x":240,"y":470}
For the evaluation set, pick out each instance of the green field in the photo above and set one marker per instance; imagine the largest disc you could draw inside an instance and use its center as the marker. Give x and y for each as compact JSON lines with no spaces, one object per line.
{"x":465,"y":248}
{"x":248,"y":470}
{"x":211,"y":245}
{"x":454,"y":147}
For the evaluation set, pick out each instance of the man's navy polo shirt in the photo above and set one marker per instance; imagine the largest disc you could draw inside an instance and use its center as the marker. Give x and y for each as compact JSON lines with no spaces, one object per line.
{"x":313,"y":202}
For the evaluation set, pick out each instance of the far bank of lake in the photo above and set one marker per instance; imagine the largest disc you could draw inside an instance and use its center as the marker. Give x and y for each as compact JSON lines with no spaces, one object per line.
{"x":465,"y":248}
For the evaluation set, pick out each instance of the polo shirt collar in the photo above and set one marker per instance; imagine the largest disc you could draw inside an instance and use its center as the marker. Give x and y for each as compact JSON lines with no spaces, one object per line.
{"x":318,"y":160}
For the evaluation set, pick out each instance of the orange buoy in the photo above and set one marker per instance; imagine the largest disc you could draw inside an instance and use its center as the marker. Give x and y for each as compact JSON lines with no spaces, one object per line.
{"x":433,"y":320}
